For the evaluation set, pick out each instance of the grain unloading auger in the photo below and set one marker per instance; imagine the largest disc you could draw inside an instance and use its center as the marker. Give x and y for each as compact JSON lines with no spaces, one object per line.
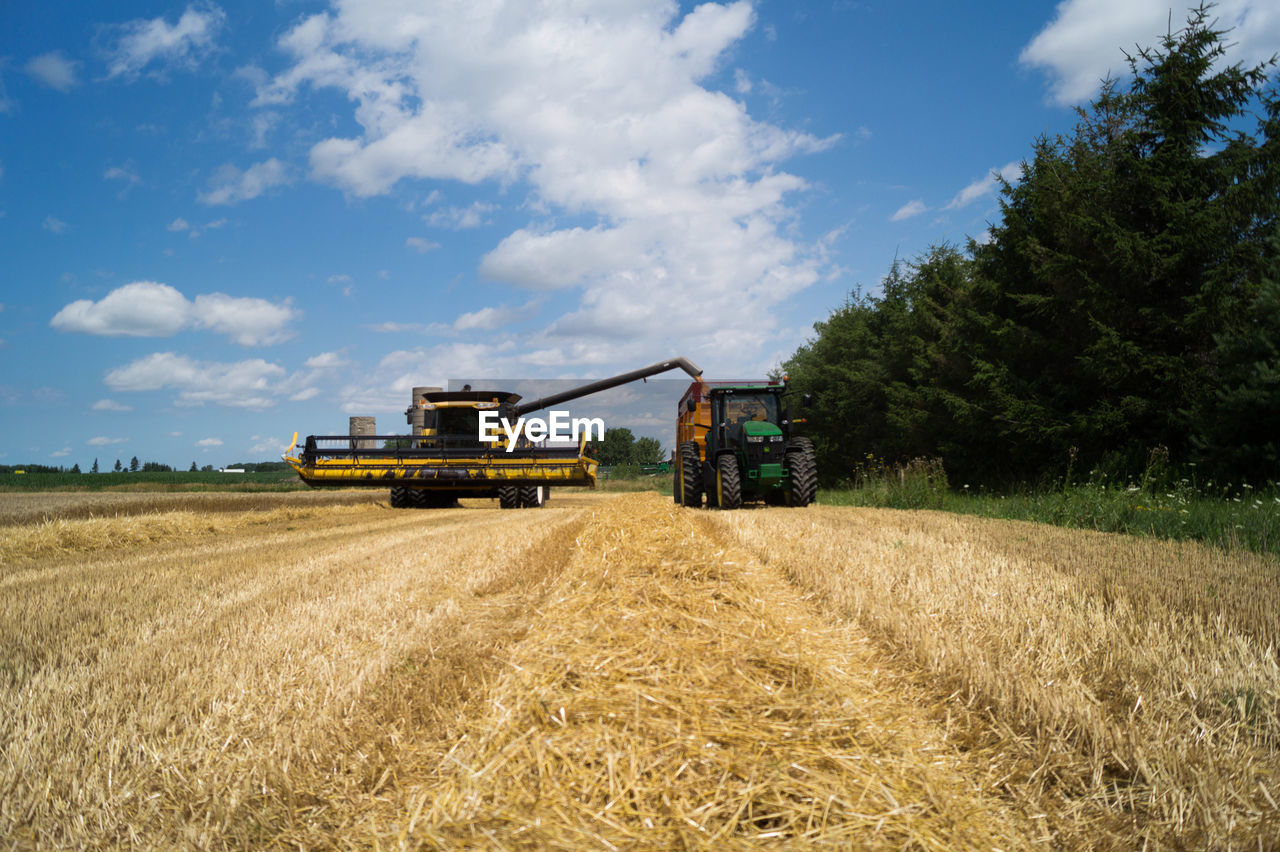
{"x":448,"y":453}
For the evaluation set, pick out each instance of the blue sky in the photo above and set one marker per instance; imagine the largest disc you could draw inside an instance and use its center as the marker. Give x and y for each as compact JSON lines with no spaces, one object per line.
{"x":223,"y":222}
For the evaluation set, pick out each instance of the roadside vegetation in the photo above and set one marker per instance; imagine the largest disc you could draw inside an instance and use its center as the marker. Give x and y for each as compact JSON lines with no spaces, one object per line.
{"x":1157,"y":503}
{"x":152,"y":481}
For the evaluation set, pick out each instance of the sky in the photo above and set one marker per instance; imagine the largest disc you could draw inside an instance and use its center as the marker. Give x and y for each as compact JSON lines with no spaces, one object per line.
{"x":221,"y":223}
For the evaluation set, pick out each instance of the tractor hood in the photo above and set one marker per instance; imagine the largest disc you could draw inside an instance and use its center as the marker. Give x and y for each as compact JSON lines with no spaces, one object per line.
{"x":759,"y":429}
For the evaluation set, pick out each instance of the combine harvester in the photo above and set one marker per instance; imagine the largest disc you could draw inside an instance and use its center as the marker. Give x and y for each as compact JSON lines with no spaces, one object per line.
{"x":457,"y":447}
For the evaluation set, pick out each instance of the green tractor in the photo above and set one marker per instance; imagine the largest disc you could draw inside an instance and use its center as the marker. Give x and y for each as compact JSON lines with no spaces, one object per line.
{"x":736,"y":444}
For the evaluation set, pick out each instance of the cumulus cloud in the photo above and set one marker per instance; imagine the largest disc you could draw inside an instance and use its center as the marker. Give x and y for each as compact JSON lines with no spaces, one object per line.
{"x":104,"y":441}
{"x":326,"y":361}
{"x":229,"y":185}
{"x":253,"y":384}
{"x":178,"y":225}
{"x":602,"y":108}
{"x":111,"y":405}
{"x":54,"y":225}
{"x":906,"y":211}
{"x":491,"y":318}
{"x":156,"y":43}
{"x":986,"y":185}
{"x":420,"y":245}
{"x":209,"y":442}
{"x":460,"y":218}
{"x":1083,"y":43}
{"x":54,"y":70}
{"x":152,"y":309}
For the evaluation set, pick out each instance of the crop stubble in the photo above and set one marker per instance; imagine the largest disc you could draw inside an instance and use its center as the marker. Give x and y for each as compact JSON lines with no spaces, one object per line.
{"x":617,"y":671}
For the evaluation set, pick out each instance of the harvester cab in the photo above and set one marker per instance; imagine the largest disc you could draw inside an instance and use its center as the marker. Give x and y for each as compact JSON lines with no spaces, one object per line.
{"x":736,"y":443}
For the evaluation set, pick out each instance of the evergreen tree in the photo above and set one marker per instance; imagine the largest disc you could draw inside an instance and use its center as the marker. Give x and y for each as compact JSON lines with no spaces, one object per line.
{"x":95,"y":466}
{"x":75,"y":468}
{"x":133,"y":465}
{"x":1121,"y":254}
{"x":118,"y":468}
{"x":1238,"y":433}
{"x":193,"y":468}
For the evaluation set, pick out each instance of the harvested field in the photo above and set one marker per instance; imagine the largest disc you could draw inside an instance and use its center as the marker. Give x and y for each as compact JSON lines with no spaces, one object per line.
{"x":614,"y":672}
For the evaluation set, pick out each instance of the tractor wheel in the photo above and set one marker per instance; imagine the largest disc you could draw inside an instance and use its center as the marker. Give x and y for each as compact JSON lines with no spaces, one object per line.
{"x":729,"y":487}
{"x":804,"y":472}
{"x":531,"y":497}
{"x":509,"y":497}
{"x":399,"y":497}
{"x":690,"y":475}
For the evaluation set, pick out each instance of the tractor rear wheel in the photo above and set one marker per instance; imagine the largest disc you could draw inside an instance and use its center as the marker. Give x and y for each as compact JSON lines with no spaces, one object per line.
{"x":509,"y":497}
{"x":690,"y":468}
{"x":804,"y":472}
{"x":531,"y":497}
{"x":729,"y":486}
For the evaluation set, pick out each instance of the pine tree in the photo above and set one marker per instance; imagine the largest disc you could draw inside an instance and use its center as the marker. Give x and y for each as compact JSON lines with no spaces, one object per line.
{"x":1123,"y":252}
{"x":118,"y":468}
{"x":193,"y":468}
{"x":133,"y":465}
{"x":95,"y":466}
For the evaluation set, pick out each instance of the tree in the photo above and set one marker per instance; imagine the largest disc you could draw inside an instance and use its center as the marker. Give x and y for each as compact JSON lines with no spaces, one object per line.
{"x":75,"y":468}
{"x":1238,"y":433}
{"x":618,"y":447}
{"x":1122,"y":253}
{"x":193,"y":468}
{"x":133,"y":465}
{"x":95,"y":466}
{"x":118,"y":468}
{"x":646,"y":450}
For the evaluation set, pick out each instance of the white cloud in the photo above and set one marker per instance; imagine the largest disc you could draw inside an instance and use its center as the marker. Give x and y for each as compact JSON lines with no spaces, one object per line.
{"x":54,"y":70}
{"x":209,"y":442}
{"x":54,"y":225}
{"x":460,"y":218}
{"x":341,"y":278}
{"x":65,"y":451}
{"x":326,"y":361}
{"x":420,"y":245}
{"x":600,"y":107}
{"x":488,"y":319}
{"x":178,"y":225}
{"x":741,"y":81}
{"x":152,"y":309}
{"x":305,"y":394}
{"x":247,"y":321}
{"x":906,"y":211}
{"x":985,"y":186}
{"x":111,"y":405}
{"x":253,"y":384}
{"x":103,"y":441}
{"x":125,"y":173}
{"x":229,"y":185}
{"x":1083,"y":43}
{"x":266,"y":444}
{"x":140,"y":43}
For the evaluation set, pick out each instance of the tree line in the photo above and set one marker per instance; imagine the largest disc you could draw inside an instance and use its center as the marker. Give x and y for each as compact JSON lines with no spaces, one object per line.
{"x":1127,"y":302}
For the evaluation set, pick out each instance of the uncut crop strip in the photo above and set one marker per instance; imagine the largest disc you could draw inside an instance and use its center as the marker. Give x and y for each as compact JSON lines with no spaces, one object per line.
{"x":1134,"y":683}
{"x":255,"y":688}
{"x":675,"y":693}
{"x":27,"y":508}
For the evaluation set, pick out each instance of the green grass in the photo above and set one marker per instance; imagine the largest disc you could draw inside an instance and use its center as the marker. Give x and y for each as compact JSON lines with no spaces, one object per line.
{"x":1229,"y":516}
{"x":152,"y":481}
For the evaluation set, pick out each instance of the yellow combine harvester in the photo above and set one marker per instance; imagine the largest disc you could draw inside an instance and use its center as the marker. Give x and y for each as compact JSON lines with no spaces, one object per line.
{"x":464,"y":443}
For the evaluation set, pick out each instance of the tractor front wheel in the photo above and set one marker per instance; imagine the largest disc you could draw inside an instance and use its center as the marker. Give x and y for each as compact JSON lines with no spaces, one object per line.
{"x":690,"y":475}
{"x":804,"y":472}
{"x":729,"y":486}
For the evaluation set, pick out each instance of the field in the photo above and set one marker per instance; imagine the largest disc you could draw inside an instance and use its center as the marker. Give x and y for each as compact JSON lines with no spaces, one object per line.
{"x":316,"y":670}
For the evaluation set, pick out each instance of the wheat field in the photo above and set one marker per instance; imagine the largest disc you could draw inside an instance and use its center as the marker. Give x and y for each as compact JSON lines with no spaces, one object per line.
{"x":613,"y":672}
